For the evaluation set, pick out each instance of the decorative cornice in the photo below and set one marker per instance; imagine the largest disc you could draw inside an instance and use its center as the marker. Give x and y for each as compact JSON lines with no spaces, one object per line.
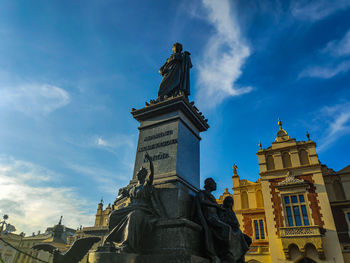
{"x":291,"y":181}
{"x":273,"y":172}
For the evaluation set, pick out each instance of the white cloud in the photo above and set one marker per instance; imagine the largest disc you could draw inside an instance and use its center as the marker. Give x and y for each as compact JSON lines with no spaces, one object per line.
{"x":340,"y":47}
{"x":33,"y":98}
{"x":336,"y":48}
{"x":32,"y":204}
{"x":107,"y":182}
{"x":325,"y":72}
{"x":115,"y":141}
{"x":223,"y":57}
{"x":315,"y":10}
{"x":337,"y":118}
{"x":101,"y":142}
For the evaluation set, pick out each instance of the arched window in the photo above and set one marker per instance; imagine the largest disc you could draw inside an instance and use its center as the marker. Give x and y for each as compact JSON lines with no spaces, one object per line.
{"x":304,"y":157}
{"x":270,"y":163}
{"x":244,"y":200}
{"x":286,"y":160}
{"x":259,"y":199}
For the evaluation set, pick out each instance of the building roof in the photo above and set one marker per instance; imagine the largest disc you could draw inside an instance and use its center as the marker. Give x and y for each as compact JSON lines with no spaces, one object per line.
{"x":345,"y":169}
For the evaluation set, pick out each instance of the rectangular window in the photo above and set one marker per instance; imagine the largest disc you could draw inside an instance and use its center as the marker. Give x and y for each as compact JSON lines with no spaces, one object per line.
{"x":297,"y":215}
{"x":305,"y":218}
{"x":286,"y":200}
{"x":296,"y":210}
{"x":259,"y":229}
{"x":289,"y":216}
{"x":262,"y":231}
{"x":256,"y":226}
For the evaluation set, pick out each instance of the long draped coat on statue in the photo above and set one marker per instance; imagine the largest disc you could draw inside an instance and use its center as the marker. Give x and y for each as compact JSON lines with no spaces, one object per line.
{"x":176,"y":75}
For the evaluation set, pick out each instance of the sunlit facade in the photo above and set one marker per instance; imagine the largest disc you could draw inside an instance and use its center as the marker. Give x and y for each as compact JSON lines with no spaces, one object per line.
{"x":298,"y":210}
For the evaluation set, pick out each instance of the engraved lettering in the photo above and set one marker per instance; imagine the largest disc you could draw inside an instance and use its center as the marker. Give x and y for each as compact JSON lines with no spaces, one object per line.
{"x":157,"y":145}
{"x":157,"y":157}
{"x":158,"y":135}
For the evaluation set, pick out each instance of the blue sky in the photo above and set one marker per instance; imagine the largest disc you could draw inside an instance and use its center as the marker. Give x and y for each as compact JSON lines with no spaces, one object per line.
{"x":70,"y":71}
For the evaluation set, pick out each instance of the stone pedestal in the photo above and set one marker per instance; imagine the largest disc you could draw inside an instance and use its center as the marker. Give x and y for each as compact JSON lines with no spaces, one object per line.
{"x":102,"y":257}
{"x":169,"y":132}
{"x":173,"y":241}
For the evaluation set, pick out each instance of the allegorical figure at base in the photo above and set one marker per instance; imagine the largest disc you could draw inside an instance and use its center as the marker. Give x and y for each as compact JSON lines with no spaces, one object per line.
{"x":128,"y":225}
{"x":176,"y":74}
{"x":224,"y":241}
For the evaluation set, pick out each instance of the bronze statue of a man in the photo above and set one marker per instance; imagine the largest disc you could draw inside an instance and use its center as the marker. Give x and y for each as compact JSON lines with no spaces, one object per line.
{"x":176,"y":74}
{"x":224,"y":242}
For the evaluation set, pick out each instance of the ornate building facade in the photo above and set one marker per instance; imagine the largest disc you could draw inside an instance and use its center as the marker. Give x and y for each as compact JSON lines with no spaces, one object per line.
{"x":56,"y":236}
{"x":298,"y":210}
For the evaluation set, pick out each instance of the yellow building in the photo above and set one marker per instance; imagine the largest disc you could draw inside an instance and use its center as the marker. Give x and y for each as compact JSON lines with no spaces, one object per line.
{"x":100,"y":228}
{"x":56,"y":236}
{"x":8,"y":253}
{"x":288,"y":210}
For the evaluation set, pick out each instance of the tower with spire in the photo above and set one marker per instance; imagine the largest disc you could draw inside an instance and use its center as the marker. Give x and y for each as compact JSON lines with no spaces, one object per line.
{"x":295,"y":197}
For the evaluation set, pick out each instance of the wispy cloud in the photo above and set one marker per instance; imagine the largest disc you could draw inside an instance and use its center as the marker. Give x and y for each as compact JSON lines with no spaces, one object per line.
{"x":325,"y":72}
{"x":106,"y":181}
{"x":339,"y":47}
{"x":315,"y":10}
{"x":223,"y":57}
{"x":33,"y":204}
{"x":33,"y":98}
{"x":337,"y":118}
{"x":121,"y":146}
{"x":114,"y":142}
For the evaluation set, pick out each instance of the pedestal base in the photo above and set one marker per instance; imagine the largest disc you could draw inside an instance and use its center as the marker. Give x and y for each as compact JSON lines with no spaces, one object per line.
{"x":173,"y":241}
{"x":110,"y":257}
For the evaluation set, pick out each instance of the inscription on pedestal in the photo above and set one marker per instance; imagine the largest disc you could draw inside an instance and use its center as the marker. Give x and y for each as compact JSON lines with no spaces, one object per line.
{"x":161,"y":144}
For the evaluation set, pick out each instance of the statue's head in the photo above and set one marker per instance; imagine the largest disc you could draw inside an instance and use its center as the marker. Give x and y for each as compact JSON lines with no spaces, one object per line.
{"x":228,"y":202}
{"x":141,"y":174}
{"x":209,"y":184}
{"x":177,"y":48}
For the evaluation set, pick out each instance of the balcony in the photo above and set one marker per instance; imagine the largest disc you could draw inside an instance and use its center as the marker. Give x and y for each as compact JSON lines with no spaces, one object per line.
{"x":302,"y":236}
{"x":300,"y":231}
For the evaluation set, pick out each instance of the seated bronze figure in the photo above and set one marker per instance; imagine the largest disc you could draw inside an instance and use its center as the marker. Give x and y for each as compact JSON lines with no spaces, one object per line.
{"x":128,"y":225}
{"x":224,"y":241}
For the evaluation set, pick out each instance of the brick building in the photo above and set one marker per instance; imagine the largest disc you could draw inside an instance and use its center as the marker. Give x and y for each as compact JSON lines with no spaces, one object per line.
{"x":298,"y":210}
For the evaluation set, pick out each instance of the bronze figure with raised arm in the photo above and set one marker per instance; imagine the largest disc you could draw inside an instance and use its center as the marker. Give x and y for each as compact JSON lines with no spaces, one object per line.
{"x":128,"y":225}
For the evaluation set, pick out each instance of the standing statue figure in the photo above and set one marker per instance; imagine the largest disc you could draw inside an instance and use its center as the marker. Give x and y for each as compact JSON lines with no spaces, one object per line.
{"x":128,"y":225}
{"x":175,"y":73}
{"x":222,"y":241}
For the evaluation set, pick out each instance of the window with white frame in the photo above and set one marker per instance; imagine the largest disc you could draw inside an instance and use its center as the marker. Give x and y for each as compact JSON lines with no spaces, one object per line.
{"x":347,"y":217}
{"x":296,"y":210}
{"x":259,"y":229}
